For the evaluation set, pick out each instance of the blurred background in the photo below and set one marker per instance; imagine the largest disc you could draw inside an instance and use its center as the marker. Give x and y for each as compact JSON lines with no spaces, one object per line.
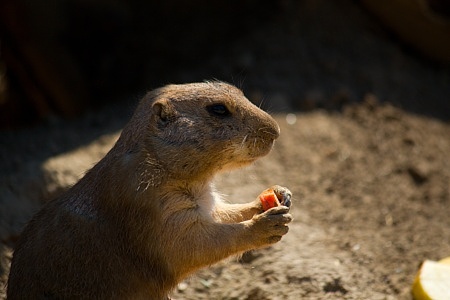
{"x":365,"y":152}
{"x":64,"y":57}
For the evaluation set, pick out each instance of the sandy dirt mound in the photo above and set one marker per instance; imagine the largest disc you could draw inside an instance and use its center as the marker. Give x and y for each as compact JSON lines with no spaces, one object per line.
{"x":371,"y":191}
{"x":371,"y":201}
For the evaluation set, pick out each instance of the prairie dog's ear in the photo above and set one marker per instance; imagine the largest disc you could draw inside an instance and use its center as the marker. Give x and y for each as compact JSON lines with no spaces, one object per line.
{"x":163,"y":110}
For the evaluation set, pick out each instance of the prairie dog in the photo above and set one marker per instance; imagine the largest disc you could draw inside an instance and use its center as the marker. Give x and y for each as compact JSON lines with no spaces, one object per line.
{"x":146,"y":215}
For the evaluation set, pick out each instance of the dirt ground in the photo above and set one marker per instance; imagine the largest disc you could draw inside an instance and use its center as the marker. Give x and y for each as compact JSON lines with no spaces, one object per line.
{"x":371,"y":201}
{"x":371,"y":191}
{"x":371,"y":181}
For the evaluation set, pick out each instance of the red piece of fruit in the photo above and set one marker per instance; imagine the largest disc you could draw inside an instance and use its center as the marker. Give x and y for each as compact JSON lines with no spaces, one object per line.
{"x":268,"y":199}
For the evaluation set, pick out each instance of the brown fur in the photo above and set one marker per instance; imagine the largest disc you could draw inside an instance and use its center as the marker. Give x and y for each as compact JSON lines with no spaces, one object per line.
{"x":146,"y":215}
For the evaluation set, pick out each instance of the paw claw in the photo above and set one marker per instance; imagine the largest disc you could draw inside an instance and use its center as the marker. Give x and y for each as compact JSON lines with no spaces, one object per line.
{"x":284,"y":195}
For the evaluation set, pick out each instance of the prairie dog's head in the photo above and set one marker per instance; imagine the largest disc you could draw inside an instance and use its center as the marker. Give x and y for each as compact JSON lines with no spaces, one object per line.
{"x":200,"y":128}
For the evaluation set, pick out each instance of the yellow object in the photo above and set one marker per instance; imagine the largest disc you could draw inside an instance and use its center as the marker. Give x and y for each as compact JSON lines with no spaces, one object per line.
{"x":432,"y":282}
{"x":445,"y":261}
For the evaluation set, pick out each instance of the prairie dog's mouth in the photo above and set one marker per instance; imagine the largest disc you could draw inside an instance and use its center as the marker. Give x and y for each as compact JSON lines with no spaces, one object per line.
{"x":264,"y":149}
{"x":253,"y":147}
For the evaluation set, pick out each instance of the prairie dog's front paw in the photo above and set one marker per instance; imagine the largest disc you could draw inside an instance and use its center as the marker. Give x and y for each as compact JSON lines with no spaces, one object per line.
{"x":284,"y":195}
{"x":268,"y":227}
{"x":275,"y":196}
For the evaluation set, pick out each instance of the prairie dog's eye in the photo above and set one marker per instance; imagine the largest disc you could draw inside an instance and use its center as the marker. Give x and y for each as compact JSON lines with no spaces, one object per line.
{"x":218,"y":110}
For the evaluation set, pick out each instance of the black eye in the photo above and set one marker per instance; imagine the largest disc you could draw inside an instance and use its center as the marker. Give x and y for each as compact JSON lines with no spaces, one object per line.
{"x":218,"y":110}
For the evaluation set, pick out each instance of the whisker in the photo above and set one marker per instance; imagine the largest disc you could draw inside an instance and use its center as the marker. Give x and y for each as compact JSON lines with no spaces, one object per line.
{"x":270,"y":133}
{"x":264,"y":130}
{"x":261,"y":103}
{"x":243,"y":141}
